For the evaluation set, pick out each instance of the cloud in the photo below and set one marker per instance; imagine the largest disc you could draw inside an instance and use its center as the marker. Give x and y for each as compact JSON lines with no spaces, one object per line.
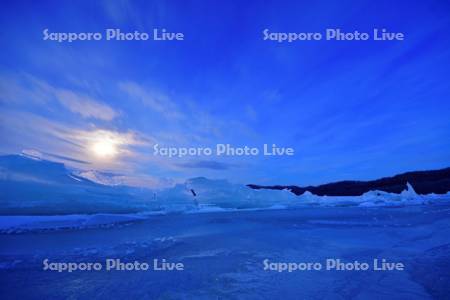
{"x":46,"y":155}
{"x":205,"y":164}
{"x":73,"y":141}
{"x":26,"y":88}
{"x":153,"y":99}
{"x":85,"y":106}
{"x":122,"y":140}
{"x":182,"y":121}
{"x":153,"y":116}
{"x":71,"y":145}
{"x":122,"y":11}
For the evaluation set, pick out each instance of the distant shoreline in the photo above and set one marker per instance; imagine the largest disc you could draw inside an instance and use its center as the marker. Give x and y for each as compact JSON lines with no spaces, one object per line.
{"x":424,"y":182}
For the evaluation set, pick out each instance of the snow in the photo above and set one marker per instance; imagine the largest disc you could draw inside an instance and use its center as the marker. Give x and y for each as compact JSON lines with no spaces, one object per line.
{"x":35,"y":223}
{"x":216,"y":196}
{"x":220,"y":193}
{"x":221,"y":232}
{"x":41,"y":187}
{"x":223,"y":254}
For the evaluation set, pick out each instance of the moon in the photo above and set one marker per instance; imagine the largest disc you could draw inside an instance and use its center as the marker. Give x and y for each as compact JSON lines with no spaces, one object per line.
{"x":105,"y":148}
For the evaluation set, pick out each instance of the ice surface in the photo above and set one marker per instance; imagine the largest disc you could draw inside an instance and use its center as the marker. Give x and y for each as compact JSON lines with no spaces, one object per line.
{"x":10,"y":224}
{"x":223,"y":255}
{"x":221,"y":231}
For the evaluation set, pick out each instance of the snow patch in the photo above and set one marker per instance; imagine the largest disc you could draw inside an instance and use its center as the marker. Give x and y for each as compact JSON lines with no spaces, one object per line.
{"x":15,"y":223}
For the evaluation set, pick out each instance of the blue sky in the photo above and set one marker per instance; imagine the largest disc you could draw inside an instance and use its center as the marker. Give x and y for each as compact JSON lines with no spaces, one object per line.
{"x":350,"y":109}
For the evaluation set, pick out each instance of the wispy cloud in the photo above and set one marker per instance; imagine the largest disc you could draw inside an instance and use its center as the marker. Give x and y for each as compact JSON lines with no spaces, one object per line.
{"x":84,"y":105}
{"x":182,"y":120}
{"x":72,"y":141}
{"x":26,"y":88}
{"x":205,"y":164}
{"x":46,"y":155}
{"x":153,"y":99}
{"x":122,"y":11}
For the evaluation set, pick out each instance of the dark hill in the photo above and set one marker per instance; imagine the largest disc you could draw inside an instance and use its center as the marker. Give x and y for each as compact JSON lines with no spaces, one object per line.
{"x":424,"y":182}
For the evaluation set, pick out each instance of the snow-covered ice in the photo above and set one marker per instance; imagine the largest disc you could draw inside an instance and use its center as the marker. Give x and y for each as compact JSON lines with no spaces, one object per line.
{"x":215,"y":196}
{"x":223,"y":254}
{"x":222,"y":232}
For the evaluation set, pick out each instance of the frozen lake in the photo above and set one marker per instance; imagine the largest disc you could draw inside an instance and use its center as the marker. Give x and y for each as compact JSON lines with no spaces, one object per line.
{"x":223,"y":255}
